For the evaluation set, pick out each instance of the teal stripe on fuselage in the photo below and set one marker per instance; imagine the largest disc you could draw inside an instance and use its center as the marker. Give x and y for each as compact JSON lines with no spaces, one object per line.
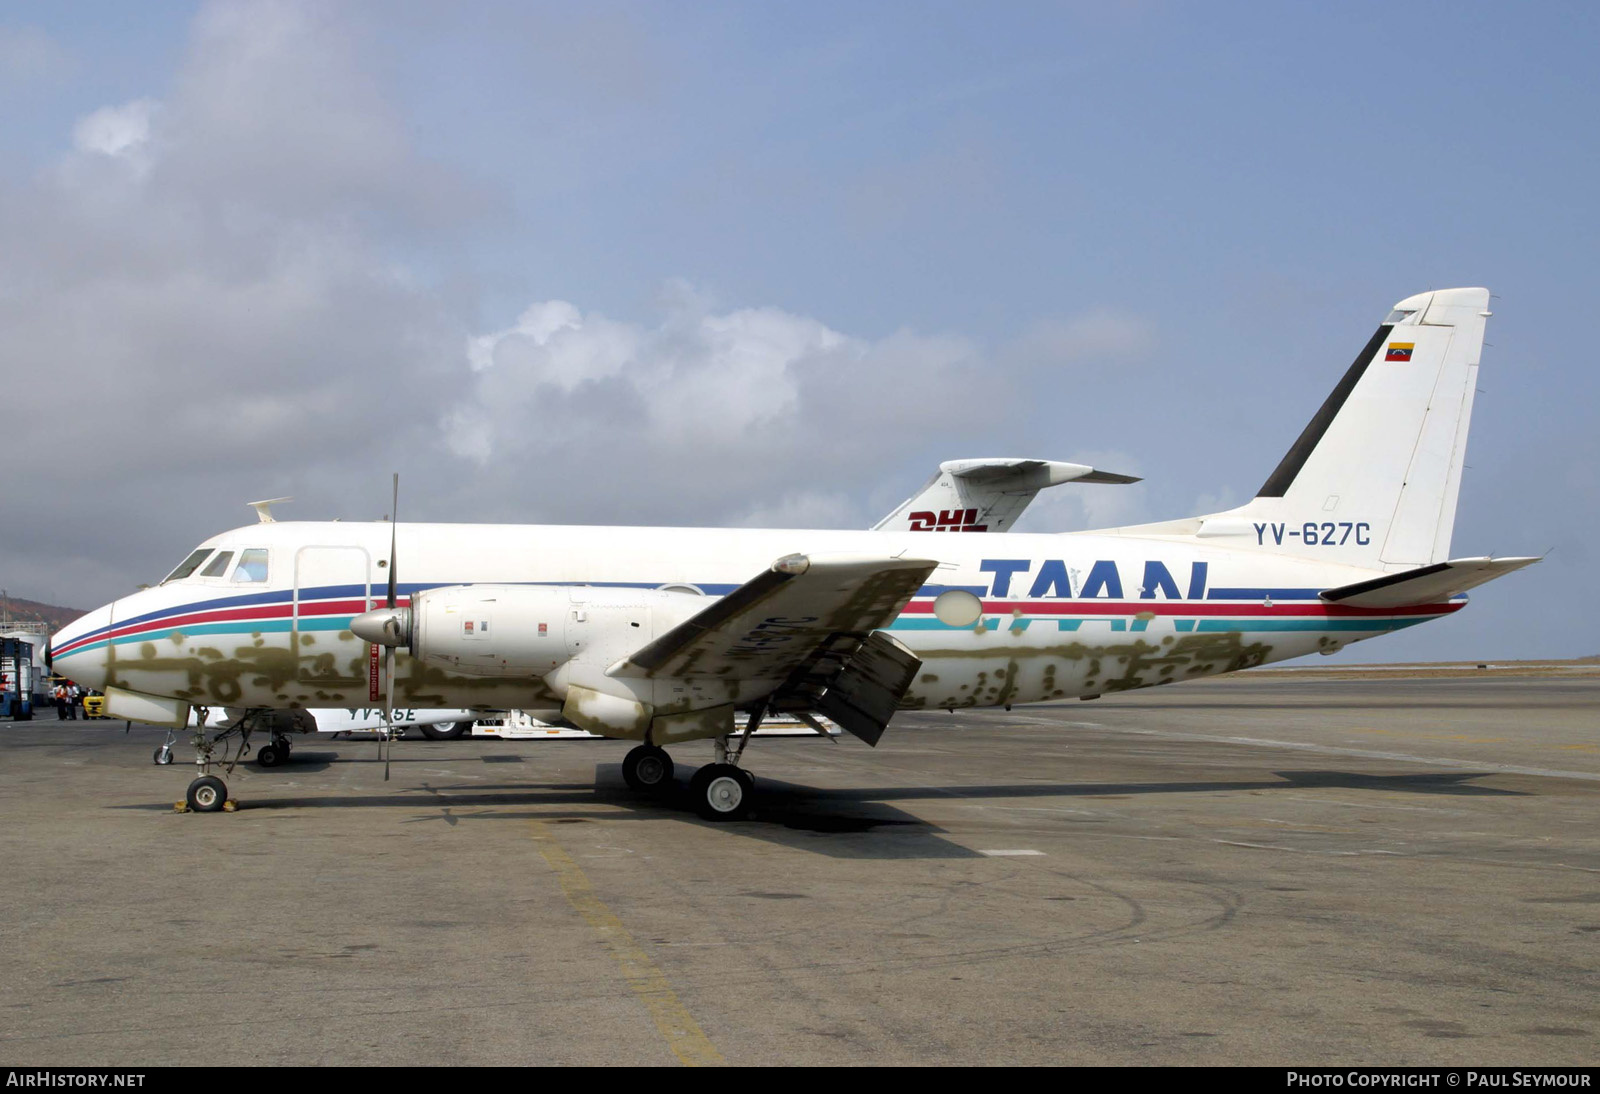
{"x":1183,"y":626}
{"x":254,"y":627}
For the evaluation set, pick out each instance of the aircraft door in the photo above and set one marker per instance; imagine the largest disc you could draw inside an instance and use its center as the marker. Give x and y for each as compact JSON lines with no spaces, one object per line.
{"x":331,"y":584}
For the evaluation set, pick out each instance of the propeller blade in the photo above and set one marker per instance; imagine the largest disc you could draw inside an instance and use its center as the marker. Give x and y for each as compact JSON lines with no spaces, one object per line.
{"x":388,"y":673}
{"x":394,"y":520}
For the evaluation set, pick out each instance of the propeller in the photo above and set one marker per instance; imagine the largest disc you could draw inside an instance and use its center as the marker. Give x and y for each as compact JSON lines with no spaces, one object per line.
{"x":388,"y":626}
{"x":387,"y":741}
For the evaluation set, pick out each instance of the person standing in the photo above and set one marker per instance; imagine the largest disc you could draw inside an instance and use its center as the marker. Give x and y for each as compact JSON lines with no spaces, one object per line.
{"x":60,"y":696}
{"x":76,"y":694}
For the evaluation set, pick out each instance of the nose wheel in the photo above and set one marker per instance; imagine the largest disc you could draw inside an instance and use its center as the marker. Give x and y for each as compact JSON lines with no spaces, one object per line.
{"x":207,"y":794}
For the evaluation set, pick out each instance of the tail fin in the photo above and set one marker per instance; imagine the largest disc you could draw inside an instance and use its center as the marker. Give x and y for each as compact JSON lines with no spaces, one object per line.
{"x":1372,"y":480}
{"x":986,"y":495}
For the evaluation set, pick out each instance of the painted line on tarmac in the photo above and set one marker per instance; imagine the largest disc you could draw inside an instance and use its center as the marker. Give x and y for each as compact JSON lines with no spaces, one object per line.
{"x":1485,"y":766}
{"x":683,"y":1034}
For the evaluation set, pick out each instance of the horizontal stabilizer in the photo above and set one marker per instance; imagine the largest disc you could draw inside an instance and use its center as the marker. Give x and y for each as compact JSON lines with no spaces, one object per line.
{"x":1433,"y":584}
{"x":1026,"y":474}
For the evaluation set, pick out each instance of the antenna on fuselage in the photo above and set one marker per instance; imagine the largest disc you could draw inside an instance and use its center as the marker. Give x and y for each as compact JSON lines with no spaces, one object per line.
{"x":264,"y":509}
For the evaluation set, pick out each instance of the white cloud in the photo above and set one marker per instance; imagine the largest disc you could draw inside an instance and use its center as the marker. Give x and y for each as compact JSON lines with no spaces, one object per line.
{"x":115,"y":130}
{"x":740,"y":415}
{"x":223,"y":320}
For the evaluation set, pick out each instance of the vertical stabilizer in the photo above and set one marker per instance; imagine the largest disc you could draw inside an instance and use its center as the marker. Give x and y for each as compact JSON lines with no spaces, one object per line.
{"x":1373,"y":478}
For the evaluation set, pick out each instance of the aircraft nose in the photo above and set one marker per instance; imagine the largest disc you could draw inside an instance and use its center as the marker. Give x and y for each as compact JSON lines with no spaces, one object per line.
{"x":78,"y":650}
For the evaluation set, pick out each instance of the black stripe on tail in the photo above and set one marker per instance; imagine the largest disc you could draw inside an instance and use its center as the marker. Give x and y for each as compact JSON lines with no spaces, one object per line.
{"x":1279,"y":482}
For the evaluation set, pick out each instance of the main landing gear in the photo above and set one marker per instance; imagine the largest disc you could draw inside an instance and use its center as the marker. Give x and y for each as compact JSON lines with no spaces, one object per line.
{"x":647,"y":768}
{"x":721,"y":790}
{"x":275,"y":753}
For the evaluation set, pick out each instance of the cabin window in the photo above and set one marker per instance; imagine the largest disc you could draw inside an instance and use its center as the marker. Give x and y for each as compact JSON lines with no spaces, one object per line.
{"x":218,"y":566}
{"x":252,"y":565}
{"x":188,"y":565}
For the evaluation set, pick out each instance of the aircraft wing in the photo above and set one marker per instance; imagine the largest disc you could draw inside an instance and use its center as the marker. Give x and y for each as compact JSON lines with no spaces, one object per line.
{"x":1424,"y":585}
{"x":781,"y":619}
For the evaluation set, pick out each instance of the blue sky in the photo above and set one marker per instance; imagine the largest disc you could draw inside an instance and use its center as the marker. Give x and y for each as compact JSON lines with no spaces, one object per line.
{"x":251,"y":245}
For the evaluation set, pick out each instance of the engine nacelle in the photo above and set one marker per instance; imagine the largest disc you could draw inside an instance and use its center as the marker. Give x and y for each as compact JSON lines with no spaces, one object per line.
{"x":530,"y":630}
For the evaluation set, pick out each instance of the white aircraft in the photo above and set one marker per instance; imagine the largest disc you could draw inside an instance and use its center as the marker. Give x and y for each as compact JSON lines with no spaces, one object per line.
{"x":666,"y":635}
{"x":971,"y":495}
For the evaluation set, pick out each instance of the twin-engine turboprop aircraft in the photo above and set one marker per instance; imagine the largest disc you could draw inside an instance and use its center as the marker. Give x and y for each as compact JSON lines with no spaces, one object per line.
{"x":669,"y":635}
{"x":972,"y":495}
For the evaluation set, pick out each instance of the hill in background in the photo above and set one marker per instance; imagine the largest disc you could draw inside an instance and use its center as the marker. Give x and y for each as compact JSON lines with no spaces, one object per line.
{"x":15,"y":609}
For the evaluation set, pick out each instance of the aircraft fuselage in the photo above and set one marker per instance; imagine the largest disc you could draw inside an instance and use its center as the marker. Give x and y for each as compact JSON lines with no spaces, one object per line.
{"x":1062,"y":615}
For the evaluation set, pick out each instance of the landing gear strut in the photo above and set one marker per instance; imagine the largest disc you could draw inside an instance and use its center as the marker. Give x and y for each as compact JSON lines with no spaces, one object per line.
{"x":647,"y":767}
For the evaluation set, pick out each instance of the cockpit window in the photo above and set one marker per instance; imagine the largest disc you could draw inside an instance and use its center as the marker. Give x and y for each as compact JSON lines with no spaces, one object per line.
{"x":218,"y":566}
{"x":252,"y":565}
{"x":188,"y":565}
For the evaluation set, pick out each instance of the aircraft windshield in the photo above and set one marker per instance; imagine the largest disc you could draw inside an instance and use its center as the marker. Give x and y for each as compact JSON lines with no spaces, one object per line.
{"x":188,"y":565}
{"x":252,"y":565}
{"x":218,"y":566}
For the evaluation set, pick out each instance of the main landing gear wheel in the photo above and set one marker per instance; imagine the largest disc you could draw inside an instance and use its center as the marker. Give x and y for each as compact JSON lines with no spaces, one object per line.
{"x":271,"y":756}
{"x":446,"y":731}
{"x":647,"y":768}
{"x":207,"y":794}
{"x":722,"y":792}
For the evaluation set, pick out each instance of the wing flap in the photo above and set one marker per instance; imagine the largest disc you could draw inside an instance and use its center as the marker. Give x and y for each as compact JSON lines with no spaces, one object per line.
{"x":779,"y":619}
{"x":1433,"y":584}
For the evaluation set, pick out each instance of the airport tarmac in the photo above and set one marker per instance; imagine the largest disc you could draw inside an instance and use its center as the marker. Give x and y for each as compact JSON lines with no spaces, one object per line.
{"x":1284,"y":870}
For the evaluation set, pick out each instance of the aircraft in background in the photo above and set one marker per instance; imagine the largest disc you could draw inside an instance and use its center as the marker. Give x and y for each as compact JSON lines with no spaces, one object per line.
{"x":669,"y":635}
{"x":436,"y":725}
{"x":985,"y":495}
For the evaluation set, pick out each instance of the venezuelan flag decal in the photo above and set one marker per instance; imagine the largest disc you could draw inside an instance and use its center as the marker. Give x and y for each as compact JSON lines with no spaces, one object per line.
{"x":1400,"y":351}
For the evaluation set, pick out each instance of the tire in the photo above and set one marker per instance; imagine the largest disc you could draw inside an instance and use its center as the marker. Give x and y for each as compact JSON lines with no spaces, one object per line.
{"x":207,"y":794}
{"x":269,"y":756}
{"x":722,"y":792}
{"x":447,"y":731}
{"x":163,"y":755}
{"x":647,"y":768}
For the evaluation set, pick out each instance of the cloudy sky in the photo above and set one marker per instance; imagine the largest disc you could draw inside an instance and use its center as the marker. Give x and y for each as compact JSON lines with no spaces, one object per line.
{"x":758,"y":264}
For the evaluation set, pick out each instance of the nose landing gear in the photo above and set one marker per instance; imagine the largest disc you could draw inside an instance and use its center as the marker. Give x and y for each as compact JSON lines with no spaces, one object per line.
{"x":207,"y":793}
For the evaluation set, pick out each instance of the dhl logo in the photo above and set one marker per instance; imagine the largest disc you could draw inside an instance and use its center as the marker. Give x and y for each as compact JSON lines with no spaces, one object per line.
{"x":947,"y":520}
